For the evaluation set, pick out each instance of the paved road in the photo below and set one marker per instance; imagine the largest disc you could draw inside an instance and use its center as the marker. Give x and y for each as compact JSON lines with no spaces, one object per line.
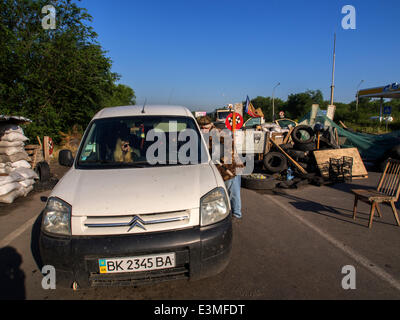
{"x":290,"y":245}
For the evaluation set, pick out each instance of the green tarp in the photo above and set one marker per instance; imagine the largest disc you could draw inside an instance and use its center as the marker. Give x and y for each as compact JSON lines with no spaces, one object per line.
{"x":371,"y":147}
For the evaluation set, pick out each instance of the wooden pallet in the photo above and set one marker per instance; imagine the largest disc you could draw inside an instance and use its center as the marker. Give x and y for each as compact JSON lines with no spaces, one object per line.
{"x":35,"y":153}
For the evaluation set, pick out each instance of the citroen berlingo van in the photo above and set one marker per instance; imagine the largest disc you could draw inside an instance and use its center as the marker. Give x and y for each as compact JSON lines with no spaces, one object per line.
{"x":141,"y":202}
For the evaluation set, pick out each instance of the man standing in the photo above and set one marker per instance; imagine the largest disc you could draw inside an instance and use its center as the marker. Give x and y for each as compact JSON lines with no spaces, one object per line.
{"x":227,"y":165}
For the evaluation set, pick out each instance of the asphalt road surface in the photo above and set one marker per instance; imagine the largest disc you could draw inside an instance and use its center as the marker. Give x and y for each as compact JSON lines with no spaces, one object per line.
{"x":290,"y":245}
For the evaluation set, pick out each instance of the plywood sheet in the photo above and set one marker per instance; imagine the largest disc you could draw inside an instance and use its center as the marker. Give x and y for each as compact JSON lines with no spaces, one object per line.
{"x":322,"y":158}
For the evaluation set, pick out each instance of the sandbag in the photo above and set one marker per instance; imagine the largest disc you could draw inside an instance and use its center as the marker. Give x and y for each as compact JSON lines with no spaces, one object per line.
{"x":27,"y":182}
{"x":11,"y":144}
{"x":26,"y":190}
{"x":21,"y":164}
{"x":27,"y":173}
{"x":6,"y":170}
{"x":11,"y":196}
{"x":7,"y":188}
{"x":12,"y":177}
{"x":14,"y":136}
{"x":15,"y":157}
{"x":8,"y":128}
{"x":9,"y":151}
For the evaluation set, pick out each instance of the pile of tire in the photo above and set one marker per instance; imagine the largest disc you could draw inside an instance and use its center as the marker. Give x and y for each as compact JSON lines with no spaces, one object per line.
{"x":275,"y":163}
{"x":304,"y":142}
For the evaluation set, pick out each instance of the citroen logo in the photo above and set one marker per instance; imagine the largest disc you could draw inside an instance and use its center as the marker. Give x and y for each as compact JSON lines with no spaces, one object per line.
{"x":136,"y":222}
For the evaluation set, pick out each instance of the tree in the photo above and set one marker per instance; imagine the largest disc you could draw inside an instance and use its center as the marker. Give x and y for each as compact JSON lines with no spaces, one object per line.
{"x":57,"y":78}
{"x":265,"y":103}
{"x":300,"y":103}
{"x":122,"y":95}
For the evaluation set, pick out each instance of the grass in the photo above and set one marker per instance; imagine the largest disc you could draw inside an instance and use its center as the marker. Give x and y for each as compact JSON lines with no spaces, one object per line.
{"x":374,"y":127}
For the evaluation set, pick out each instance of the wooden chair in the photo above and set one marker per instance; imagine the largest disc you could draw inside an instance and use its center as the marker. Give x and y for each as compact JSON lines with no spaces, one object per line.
{"x":387,"y":191}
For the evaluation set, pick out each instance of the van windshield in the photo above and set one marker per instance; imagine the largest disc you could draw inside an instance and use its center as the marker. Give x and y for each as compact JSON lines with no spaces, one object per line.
{"x":141,"y":141}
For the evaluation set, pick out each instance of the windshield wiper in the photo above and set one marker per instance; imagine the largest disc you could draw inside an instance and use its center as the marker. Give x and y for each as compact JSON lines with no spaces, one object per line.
{"x":114,"y":163}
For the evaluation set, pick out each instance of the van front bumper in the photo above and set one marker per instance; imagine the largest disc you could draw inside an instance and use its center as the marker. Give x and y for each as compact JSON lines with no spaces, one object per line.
{"x":200,"y":252}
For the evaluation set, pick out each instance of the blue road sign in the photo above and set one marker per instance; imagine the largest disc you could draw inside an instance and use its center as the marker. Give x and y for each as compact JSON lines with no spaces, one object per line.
{"x":387,"y":110}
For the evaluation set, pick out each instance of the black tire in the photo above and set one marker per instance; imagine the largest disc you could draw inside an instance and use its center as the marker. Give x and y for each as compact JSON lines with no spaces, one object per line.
{"x":305,"y":146}
{"x":249,"y":182}
{"x":298,"y":154}
{"x":275,"y":162}
{"x":43,"y":171}
{"x":296,"y":134}
{"x":287,"y":146}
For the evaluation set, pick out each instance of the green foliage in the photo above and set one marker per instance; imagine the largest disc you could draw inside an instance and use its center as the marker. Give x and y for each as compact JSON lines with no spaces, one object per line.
{"x":300,"y":103}
{"x":122,"y":95}
{"x":358,"y":118}
{"x":57,"y":78}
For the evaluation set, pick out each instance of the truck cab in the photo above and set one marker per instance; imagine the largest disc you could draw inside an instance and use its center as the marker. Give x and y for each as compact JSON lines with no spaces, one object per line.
{"x":222,"y":114}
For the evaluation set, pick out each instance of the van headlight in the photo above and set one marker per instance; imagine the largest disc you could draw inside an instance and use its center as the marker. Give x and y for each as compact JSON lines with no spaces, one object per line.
{"x":57,"y":217}
{"x":214,"y":207}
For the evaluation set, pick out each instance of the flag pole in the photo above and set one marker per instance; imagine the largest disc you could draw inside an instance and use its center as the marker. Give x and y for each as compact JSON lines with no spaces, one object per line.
{"x":233,"y":133}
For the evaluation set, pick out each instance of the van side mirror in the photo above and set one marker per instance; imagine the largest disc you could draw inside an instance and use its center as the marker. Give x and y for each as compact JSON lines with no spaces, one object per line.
{"x":65,"y":158}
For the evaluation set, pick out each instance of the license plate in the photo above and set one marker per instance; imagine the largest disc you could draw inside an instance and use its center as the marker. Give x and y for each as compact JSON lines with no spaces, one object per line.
{"x":135,"y":264}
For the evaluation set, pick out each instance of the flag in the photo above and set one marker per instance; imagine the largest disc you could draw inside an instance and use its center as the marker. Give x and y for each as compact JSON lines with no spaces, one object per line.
{"x":249,"y":109}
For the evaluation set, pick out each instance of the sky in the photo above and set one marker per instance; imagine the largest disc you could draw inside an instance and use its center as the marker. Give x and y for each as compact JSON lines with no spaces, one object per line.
{"x":205,"y":54}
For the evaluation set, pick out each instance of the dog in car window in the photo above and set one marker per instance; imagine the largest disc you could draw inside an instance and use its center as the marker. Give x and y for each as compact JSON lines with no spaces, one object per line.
{"x":123,"y":151}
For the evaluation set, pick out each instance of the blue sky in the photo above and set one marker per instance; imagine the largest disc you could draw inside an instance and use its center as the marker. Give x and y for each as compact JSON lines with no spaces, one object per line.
{"x":205,"y":54}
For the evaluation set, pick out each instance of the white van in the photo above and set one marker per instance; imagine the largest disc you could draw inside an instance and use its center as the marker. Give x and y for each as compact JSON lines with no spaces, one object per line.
{"x":118,"y":217}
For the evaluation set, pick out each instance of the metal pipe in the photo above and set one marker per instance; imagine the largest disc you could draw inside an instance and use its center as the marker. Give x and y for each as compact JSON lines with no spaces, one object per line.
{"x":358,"y":93}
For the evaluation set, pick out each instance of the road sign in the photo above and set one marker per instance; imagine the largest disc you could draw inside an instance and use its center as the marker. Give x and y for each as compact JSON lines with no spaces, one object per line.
{"x":229,"y":121}
{"x":387,"y":110}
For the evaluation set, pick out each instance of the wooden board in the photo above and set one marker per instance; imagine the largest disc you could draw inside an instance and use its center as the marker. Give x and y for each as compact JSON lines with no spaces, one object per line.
{"x":289,"y":157}
{"x":322,"y":157}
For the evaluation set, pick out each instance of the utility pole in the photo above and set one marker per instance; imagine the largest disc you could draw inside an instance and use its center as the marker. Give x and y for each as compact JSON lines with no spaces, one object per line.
{"x":358,"y":93}
{"x":333,"y":69}
{"x":273,"y":102}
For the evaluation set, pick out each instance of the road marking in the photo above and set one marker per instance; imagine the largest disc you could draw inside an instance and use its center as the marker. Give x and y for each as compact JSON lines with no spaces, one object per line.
{"x":16,"y":233}
{"x":381,"y":273}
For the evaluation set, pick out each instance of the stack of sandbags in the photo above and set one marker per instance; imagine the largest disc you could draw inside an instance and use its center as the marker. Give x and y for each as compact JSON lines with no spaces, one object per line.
{"x":12,"y":144}
{"x":16,"y":176}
